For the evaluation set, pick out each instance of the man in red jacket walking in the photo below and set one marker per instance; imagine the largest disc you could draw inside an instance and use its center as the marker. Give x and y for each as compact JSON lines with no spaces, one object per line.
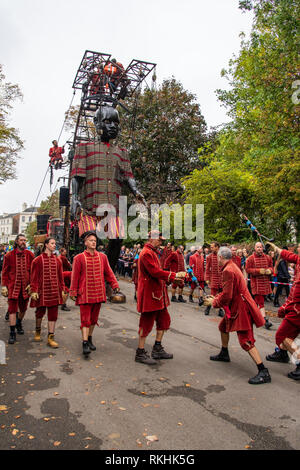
{"x":16,"y":284}
{"x":260,"y":268}
{"x":153,"y":300}
{"x":90,"y":271}
{"x":213,"y":275}
{"x":196,"y":262}
{"x":241,"y":313}
{"x":289,"y":328}
{"x":175,"y":263}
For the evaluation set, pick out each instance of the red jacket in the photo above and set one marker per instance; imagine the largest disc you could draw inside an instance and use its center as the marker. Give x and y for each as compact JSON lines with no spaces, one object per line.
{"x":292,"y":304}
{"x":89,"y":274}
{"x":47,"y":280}
{"x":213,"y":271}
{"x":55,"y":153}
{"x":164,"y":256}
{"x":175,"y":262}
{"x":236,"y":296}
{"x":260,"y":283}
{"x":152,"y":293}
{"x":196,"y":262}
{"x":237,"y":260}
{"x":66,"y":265}
{"x":16,"y":272}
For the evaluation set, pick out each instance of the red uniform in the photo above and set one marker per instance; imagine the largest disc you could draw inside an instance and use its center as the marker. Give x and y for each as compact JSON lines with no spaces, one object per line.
{"x":290,"y":325}
{"x":240,"y":309}
{"x":213,"y":273}
{"x":237,"y":260}
{"x":175,"y":264}
{"x":196,"y":262}
{"x":88,"y":284}
{"x":152,"y":295}
{"x":16,"y":277}
{"x":47,"y":281}
{"x":55,"y":153}
{"x":166,"y":252}
{"x":260,"y":283}
{"x":66,"y":265}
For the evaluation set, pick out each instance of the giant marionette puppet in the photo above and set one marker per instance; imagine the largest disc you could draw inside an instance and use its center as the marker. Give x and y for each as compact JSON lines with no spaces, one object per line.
{"x":100,"y":172}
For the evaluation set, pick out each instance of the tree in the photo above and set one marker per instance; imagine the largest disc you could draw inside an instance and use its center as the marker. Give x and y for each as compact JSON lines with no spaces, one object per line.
{"x":50,"y":205}
{"x":10,"y":142}
{"x":257,"y":155}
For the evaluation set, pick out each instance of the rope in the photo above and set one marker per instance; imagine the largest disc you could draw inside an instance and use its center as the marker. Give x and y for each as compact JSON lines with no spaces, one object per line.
{"x":40,"y":190}
{"x":67,"y":115}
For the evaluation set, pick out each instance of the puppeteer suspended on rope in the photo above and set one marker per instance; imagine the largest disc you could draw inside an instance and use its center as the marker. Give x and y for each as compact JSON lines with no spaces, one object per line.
{"x":55,"y":154}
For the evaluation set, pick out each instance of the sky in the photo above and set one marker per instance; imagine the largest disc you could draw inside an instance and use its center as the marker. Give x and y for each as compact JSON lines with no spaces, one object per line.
{"x":42,"y":43}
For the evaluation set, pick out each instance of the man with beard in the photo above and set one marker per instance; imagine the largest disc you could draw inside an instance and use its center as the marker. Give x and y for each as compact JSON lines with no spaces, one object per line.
{"x":241,"y":313}
{"x":213,"y":275}
{"x":16,"y":284}
{"x":260,"y":268}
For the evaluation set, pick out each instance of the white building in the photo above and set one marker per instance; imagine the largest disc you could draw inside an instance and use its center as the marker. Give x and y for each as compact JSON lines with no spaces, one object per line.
{"x":12,"y":224}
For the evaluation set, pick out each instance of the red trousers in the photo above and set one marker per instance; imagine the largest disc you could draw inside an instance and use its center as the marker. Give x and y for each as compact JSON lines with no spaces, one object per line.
{"x":89,"y":314}
{"x":180,"y":285}
{"x":147,"y":319}
{"x":260,"y":300}
{"x":246,"y":337}
{"x":52,"y":312}
{"x":17,"y":305}
{"x":201,"y":285}
{"x":289,"y":328}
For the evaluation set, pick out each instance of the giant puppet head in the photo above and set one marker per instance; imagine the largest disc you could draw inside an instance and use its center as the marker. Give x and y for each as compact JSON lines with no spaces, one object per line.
{"x":107,"y":121}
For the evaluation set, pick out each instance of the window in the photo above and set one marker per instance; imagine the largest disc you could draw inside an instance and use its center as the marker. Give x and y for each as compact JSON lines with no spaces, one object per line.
{"x":23,"y":218}
{"x":30,"y":219}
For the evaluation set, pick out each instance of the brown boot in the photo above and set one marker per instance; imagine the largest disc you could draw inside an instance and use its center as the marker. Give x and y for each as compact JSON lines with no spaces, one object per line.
{"x":51,"y":342}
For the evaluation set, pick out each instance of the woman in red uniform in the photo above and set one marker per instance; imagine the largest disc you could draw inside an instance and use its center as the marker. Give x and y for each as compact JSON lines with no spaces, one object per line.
{"x":48,"y":289}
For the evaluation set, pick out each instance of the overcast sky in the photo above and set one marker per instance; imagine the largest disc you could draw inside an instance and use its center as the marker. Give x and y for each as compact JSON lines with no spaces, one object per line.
{"x":42,"y":43}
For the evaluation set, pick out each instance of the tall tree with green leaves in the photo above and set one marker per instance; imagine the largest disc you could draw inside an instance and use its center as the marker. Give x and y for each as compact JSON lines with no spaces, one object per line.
{"x":257,"y":155}
{"x":10,"y":142}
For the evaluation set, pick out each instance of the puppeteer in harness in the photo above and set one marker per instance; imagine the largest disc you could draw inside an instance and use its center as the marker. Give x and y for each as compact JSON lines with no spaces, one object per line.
{"x":100,"y":172}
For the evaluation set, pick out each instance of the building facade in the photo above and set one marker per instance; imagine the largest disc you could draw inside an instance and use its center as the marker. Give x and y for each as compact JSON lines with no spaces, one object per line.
{"x":12,"y":224}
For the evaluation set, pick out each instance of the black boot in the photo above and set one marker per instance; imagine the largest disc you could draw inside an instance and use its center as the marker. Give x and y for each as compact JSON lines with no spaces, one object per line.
{"x":181,"y":299}
{"x":201,"y":301}
{"x":12,"y":337}
{"x":268,"y":324}
{"x":65,"y":308}
{"x":295,"y":374}
{"x":276,"y":303}
{"x":221,"y":313}
{"x":19,"y":327}
{"x":206,"y":312}
{"x":7,"y":316}
{"x":262,"y":377}
{"x":91,"y":345}
{"x":278,"y":356}
{"x":223,"y":356}
{"x":158,"y":352}
{"x":174,"y":298}
{"x":143,"y":357}
{"x":85,"y":348}
{"x":191,"y":298}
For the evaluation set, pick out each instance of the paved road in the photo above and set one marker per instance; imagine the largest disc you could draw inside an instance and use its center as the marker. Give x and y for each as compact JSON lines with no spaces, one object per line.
{"x":55,"y":399}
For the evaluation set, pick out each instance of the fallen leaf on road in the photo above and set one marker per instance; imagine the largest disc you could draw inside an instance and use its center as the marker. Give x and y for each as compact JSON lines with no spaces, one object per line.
{"x":31,"y":437}
{"x":139,"y":442}
{"x":86,"y":447}
{"x":247,"y":447}
{"x":3,"y":407}
{"x":143,"y":393}
{"x":13,"y":425}
{"x":19,"y":375}
{"x":56,"y":443}
{"x":121,"y":408}
{"x":18,"y":382}
{"x":15,"y":431}
{"x":152,"y":438}
{"x":187,"y":385}
{"x":55,"y":393}
{"x":179,"y":424}
{"x":144,"y":434}
{"x":103,"y":402}
{"x":17,"y":417}
{"x":114,"y":402}
{"x":46,"y":419}
{"x":3,"y":426}
{"x":192,"y":373}
{"x":145,"y":405}
{"x":114,"y":435}
{"x":72,"y":434}
{"x":87,"y":439}
{"x":156,"y":406}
